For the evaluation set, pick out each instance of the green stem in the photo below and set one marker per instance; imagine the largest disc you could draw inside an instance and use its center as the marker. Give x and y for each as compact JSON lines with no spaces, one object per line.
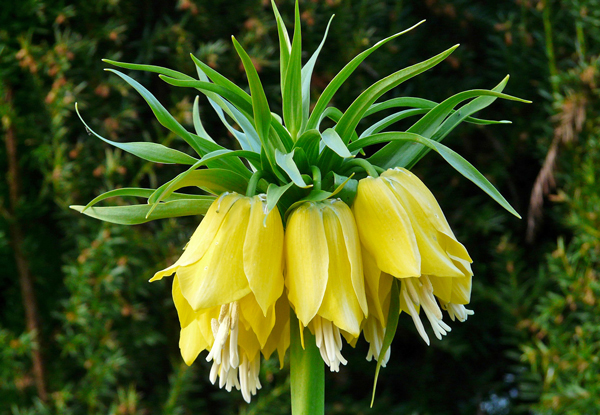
{"x":307,"y":372}
{"x":363,"y":164}
{"x":316,"y":173}
{"x":550,"y":47}
{"x":580,"y":40}
{"x":251,"y":189}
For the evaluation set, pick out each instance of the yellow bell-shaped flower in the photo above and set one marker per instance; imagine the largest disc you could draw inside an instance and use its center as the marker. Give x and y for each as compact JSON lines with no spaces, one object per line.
{"x":324,"y":274}
{"x":403,"y":229}
{"x":226,"y":290}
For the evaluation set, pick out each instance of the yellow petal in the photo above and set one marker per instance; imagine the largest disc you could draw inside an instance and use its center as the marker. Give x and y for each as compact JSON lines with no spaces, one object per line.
{"x":263,"y":254}
{"x":413,"y":185}
{"x":340,"y":304}
{"x":442,"y":287}
{"x":203,"y":236}
{"x":191,"y":342}
{"x":256,"y":321}
{"x":434,"y":259}
{"x":279,"y":338}
{"x":306,"y":261}
{"x":385,"y":230}
{"x":204,"y":320}
{"x":428,"y":203}
{"x":248,"y":342}
{"x":184,"y":310}
{"x":350,"y":339}
{"x":461,"y":290}
{"x":372,"y":278}
{"x":352,"y":242}
{"x":218,"y":278}
{"x":463,"y":265}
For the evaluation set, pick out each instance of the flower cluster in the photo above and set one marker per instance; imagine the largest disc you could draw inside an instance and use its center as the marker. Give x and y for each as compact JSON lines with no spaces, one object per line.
{"x":302,"y":224}
{"x":337,"y":263}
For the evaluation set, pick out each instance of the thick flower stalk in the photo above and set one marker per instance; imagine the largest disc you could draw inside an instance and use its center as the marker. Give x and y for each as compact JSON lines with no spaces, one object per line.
{"x":309,"y":238}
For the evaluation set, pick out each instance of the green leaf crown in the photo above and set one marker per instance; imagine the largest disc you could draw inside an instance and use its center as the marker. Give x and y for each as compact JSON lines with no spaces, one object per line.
{"x":291,"y":157}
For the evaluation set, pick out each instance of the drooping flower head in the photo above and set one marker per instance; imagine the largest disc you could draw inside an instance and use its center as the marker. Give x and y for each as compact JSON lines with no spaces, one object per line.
{"x":225,"y":290}
{"x":324,"y":274}
{"x":406,"y":234}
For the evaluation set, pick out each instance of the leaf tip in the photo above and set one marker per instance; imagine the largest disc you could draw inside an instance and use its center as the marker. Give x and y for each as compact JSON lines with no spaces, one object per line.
{"x":78,"y":208}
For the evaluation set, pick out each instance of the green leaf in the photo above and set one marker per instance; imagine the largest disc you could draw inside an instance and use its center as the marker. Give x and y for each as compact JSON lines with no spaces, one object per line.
{"x":286,"y":162}
{"x":169,"y":187}
{"x":201,"y":145}
{"x":136,"y":214}
{"x":332,"y":140}
{"x":301,"y":160}
{"x":219,"y":79}
{"x":357,"y":109}
{"x":149,"y":68}
{"x":215,"y":181}
{"x":249,"y":138}
{"x":237,"y":100}
{"x":454,"y":159}
{"x":391,"y":119}
{"x":398,"y":154}
{"x":306,"y":76}
{"x":274,"y":193}
{"x":409,"y":102}
{"x":154,"y":152}
{"x":200,"y":131}
{"x":341,"y":77}
{"x":390,"y":330}
{"x":284,"y":44}
{"x":292,"y":87}
{"x":262,"y":113}
{"x":126,"y":191}
{"x":137,"y":192}
{"x":162,"y":115}
{"x":309,"y":142}
{"x":347,"y":186}
{"x":332,"y":113}
{"x":421,"y":103}
{"x":280,"y":134}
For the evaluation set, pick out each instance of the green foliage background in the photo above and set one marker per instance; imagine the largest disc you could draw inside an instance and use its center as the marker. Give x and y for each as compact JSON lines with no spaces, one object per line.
{"x":109,"y":340}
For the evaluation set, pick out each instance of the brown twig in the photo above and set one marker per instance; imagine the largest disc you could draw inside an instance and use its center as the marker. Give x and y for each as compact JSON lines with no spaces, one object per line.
{"x":570,"y":122}
{"x":16,"y":241}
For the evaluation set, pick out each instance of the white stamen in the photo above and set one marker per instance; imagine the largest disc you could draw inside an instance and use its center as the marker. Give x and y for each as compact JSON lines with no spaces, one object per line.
{"x":243,"y":372}
{"x":374,"y":335}
{"x":329,"y":341}
{"x":457,"y":311}
{"x":415,"y":315}
{"x":421,"y":293}
{"x":225,"y":355}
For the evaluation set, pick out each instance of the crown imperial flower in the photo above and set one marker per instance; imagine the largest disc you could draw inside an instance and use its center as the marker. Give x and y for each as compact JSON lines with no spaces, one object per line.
{"x":364,"y":238}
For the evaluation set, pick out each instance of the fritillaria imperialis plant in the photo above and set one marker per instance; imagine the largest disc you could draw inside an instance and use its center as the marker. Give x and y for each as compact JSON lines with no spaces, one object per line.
{"x":306,"y":242}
